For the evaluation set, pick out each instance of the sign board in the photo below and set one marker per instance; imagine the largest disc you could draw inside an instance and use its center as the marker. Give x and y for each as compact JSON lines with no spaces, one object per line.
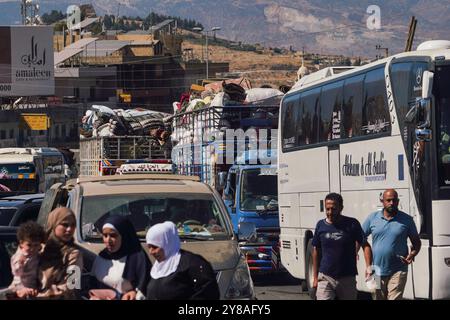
{"x":35,"y":121}
{"x":144,"y":168}
{"x":26,"y":61}
{"x":268,"y":172}
{"x":125,"y":97}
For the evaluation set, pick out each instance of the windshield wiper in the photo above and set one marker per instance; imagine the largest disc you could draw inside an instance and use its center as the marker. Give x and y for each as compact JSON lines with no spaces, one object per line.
{"x":195,"y":237}
{"x":266,"y":211}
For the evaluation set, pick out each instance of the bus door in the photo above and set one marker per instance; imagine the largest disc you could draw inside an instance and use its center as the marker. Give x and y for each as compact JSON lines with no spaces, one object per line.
{"x":334,"y":169}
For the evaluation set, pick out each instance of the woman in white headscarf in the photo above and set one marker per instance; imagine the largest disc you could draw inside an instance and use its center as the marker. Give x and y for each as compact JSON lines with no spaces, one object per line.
{"x":177,"y":274}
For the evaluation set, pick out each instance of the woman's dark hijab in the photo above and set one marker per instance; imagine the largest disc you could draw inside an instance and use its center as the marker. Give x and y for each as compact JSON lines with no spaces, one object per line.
{"x":137,"y":265}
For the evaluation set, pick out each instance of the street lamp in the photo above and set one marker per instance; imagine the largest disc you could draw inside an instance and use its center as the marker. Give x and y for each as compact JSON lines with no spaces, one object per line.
{"x":206,"y":32}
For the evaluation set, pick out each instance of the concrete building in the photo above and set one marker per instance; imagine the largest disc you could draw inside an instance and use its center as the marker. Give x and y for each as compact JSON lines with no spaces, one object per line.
{"x":145,"y":65}
{"x":63,"y":131}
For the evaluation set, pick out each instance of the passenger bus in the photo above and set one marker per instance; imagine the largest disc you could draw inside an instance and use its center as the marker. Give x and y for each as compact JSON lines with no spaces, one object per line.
{"x":358,"y":132}
{"x":30,"y":170}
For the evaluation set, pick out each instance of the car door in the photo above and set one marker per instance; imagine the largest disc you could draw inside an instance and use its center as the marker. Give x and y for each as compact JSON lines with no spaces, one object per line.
{"x":8,"y":246}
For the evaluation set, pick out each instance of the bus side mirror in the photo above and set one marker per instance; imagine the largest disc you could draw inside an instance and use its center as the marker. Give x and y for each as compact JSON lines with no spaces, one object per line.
{"x":412,"y":114}
{"x":427,"y":84}
{"x":423,"y":135}
{"x":420,"y":113}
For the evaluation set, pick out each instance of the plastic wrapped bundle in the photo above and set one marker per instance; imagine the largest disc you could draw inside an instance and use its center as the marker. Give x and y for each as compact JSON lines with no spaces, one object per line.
{"x":258,"y":94}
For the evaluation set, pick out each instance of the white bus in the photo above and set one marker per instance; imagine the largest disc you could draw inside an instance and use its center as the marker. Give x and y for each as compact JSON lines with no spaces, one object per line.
{"x":358,"y":132}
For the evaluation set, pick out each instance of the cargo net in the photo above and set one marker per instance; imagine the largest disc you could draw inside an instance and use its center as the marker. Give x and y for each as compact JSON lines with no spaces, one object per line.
{"x":134,"y":148}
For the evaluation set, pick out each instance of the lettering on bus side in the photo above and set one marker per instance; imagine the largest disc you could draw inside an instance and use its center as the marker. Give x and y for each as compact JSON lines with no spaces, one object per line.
{"x":373,"y":168}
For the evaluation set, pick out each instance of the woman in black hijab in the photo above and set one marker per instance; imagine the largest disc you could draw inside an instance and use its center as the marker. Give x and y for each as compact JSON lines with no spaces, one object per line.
{"x":122,"y":266}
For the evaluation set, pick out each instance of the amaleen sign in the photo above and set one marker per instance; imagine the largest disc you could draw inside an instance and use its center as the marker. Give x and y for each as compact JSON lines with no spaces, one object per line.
{"x":26,"y":61}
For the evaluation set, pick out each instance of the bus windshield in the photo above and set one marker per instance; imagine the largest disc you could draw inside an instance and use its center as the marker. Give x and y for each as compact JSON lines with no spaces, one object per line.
{"x":259,"y":190}
{"x":442,"y":95}
{"x":18,"y":176}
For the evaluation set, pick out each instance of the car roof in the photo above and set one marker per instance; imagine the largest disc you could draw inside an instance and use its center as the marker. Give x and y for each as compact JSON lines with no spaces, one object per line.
{"x":133,"y":186}
{"x":143,"y":176}
{"x":25,"y":197}
{"x":14,"y":201}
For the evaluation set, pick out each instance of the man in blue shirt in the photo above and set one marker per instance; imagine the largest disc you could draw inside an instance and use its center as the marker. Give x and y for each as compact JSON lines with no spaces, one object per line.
{"x":337,"y":240}
{"x":390,"y":228}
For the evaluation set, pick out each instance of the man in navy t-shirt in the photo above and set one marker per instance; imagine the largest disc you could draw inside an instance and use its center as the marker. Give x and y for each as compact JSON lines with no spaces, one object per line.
{"x":336,"y":240}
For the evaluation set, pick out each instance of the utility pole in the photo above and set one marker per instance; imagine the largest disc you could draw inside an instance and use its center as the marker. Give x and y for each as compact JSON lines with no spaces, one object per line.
{"x":206,"y":32}
{"x":386,"y":51}
{"x":207,"y":56}
{"x":117,"y":18}
{"x":30,"y":13}
{"x":411,"y":33}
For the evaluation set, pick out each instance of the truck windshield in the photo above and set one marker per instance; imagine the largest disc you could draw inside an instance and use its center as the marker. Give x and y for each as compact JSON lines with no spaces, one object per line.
{"x":259,"y":190}
{"x":442,"y":94}
{"x":18,"y":176}
{"x":196,"y":216}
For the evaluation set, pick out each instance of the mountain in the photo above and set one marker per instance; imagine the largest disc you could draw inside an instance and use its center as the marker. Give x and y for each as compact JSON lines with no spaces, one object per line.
{"x":325,"y":26}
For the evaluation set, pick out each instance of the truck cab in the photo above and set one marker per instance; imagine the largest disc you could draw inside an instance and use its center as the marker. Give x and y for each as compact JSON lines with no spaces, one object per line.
{"x":250,"y":195}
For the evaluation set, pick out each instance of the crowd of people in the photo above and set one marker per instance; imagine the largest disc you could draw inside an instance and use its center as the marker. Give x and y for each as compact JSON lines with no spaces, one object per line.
{"x":47,"y":262}
{"x":337,"y":240}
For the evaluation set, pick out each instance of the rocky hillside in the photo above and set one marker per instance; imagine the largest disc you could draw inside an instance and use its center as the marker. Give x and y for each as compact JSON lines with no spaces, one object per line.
{"x":318,"y":25}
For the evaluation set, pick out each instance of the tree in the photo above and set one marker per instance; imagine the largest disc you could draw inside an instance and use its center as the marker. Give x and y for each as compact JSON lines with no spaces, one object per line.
{"x":108,"y":21}
{"x":52,"y":17}
{"x":96,"y":28}
{"x":60,"y":26}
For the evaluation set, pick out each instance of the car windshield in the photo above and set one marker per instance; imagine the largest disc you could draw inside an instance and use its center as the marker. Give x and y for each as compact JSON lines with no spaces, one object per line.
{"x":259,"y":190}
{"x":6,"y":214}
{"x":196,"y":216}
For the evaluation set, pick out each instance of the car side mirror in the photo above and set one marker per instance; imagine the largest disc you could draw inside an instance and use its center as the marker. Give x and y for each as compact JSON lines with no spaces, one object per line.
{"x":222,"y":178}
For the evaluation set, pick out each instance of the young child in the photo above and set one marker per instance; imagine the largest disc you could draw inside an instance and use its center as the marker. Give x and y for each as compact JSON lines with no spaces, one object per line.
{"x":24,"y":263}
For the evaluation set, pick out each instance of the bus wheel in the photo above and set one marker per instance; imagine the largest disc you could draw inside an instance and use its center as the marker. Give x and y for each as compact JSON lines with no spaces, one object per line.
{"x":309,"y":270}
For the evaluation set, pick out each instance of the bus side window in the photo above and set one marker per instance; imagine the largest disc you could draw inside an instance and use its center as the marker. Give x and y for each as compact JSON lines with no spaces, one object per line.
{"x":330,"y":111}
{"x":407,"y":86}
{"x":352,"y":107}
{"x":375,"y":111}
{"x":289,"y":127}
{"x":308,"y":118}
